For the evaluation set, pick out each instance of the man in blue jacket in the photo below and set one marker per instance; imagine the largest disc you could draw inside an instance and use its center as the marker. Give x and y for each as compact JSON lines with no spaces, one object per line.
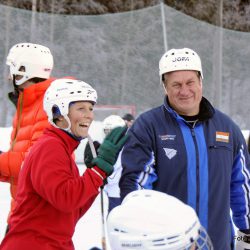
{"x":189,"y":149}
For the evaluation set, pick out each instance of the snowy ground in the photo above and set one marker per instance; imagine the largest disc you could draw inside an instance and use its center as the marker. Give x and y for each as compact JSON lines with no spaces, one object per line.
{"x":88,"y":231}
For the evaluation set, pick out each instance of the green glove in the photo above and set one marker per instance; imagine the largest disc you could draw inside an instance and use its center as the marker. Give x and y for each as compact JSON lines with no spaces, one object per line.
{"x":109,"y":150}
{"x":88,"y":157}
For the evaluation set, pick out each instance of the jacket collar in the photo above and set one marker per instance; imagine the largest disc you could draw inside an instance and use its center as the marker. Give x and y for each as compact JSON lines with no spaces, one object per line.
{"x":68,"y":140}
{"x":35,"y":91}
{"x":205,"y":113}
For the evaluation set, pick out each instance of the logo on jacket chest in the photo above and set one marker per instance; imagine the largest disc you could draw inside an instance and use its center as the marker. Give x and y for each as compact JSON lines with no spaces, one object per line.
{"x":170,"y":152}
{"x":222,"y":136}
{"x":167,"y":137}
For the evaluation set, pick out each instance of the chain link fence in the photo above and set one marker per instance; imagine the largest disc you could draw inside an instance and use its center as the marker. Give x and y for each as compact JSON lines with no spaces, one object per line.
{"x":119,"y":53}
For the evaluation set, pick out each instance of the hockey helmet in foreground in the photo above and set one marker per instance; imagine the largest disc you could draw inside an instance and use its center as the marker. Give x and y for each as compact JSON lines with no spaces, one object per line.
{"x":152,"y":220}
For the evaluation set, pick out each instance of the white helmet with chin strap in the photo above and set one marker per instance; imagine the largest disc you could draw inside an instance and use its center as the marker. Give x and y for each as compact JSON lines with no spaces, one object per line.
{"x":61,"y":93}
{"x":112,"y":122}
{"x":36,"y":59}
{"x":152,"y":220}
{"x":179,"y":59}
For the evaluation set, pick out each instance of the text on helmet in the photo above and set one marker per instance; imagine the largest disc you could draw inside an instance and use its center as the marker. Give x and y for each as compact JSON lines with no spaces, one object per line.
{"x":180,"y":58}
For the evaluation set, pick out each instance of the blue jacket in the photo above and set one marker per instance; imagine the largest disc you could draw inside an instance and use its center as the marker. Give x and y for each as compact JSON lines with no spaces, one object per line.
{"x":206,"y":166}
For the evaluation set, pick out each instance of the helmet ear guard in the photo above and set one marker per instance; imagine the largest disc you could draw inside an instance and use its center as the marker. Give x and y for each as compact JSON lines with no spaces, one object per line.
{"x":179,"y":59}
{"x":159,"y":221}
{"x":61,"y":93}
{"x":25,"y":55}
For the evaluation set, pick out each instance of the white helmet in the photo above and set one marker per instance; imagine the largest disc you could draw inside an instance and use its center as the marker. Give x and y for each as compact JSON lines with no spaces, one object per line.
{"x":112,"y":122}
{"x":62,"y":92}
{"x":37,"y":60}
{"x":151,"y":220}
{"x":179,"y":59}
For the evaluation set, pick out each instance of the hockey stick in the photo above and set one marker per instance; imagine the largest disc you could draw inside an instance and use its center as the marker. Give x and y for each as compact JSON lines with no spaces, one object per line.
{"x":93,"y":151}
{"x":92,"y":147}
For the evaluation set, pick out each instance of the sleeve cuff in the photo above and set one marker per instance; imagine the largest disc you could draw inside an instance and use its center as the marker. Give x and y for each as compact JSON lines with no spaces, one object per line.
{"x":99,"y":172}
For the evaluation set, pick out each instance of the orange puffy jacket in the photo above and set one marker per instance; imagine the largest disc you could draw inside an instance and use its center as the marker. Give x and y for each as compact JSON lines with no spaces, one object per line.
{"x":28,"y":124}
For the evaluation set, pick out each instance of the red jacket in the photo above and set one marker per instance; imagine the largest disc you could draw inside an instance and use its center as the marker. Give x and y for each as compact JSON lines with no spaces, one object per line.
{"x":51,"y":196}
{"x":28,"y":124}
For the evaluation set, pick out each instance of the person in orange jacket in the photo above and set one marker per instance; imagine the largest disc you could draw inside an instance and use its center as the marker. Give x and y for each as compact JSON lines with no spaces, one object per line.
{"x":30,"y":66}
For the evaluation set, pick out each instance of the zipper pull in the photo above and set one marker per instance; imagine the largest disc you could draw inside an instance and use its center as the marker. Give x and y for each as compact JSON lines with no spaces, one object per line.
{"x":192,"y":132}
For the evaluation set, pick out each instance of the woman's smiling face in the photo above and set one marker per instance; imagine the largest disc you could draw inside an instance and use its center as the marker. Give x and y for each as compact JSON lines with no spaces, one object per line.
{"x":81,"y":116}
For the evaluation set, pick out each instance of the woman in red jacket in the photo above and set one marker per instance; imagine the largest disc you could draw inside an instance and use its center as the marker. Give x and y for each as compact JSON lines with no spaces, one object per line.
{"x":52,"y":196}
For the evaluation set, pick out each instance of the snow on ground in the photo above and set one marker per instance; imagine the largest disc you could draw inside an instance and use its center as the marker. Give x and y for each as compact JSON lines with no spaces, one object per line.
{"x":246,"y":134}
{"x":88,"y":232}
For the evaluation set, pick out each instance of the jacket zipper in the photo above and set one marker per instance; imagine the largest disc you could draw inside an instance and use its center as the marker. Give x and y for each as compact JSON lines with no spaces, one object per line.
{"x":197,"y":171}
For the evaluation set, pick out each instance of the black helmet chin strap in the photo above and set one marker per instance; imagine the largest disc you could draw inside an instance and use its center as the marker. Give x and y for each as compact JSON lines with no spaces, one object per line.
{"x":14,"y":83}
{"x":13,"y":96}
